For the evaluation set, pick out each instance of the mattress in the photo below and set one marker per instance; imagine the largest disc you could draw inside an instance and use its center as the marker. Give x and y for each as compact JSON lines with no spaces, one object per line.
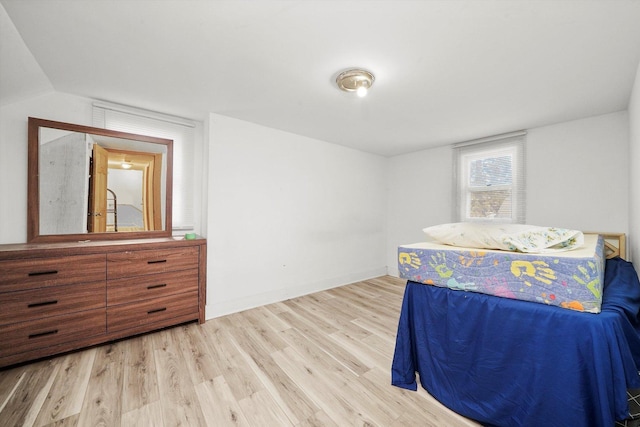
{"x":572,"y":279}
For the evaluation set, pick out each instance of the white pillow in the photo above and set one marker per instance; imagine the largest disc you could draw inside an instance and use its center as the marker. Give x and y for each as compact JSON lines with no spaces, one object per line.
{"x":509,"y":237}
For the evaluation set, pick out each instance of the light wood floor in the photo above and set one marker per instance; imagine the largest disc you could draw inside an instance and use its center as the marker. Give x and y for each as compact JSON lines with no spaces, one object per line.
{"x":318,"y":360}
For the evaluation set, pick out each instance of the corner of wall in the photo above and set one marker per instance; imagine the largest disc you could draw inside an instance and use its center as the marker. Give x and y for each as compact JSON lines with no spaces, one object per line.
{"x":634,"y":173}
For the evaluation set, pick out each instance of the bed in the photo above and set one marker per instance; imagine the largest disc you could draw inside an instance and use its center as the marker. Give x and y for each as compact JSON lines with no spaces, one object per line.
{"x":509,"y":362}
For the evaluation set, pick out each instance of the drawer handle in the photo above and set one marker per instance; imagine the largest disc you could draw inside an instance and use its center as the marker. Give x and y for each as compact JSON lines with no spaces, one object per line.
{"x":159,"y":261}
{"x":42,"y":273}
{"x":40,"y":304}
{"x":157,"y":286}
{"x":42,"y":334}
{"x":157,"y":310}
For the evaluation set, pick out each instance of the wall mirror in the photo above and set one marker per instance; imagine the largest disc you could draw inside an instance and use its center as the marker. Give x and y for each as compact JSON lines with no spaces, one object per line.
{"x":89,"y":183}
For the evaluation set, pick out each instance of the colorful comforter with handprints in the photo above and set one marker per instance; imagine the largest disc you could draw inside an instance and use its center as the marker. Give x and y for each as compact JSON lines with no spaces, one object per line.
{"x":565,"y":279}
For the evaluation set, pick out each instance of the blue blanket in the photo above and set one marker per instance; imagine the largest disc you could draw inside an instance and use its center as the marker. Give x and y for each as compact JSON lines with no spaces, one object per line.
{"x":512,"y":363}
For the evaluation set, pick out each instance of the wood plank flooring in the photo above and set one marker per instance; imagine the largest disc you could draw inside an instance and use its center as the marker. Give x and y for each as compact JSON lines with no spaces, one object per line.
{"x":318,"y":360}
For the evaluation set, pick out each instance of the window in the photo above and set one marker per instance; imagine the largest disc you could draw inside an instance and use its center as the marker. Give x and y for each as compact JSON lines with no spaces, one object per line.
{"x":181,"y":131}
{"x":489,"y":179}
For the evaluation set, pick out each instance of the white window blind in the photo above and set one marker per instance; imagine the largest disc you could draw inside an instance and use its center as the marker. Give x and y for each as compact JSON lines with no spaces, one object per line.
{"x":490,"y":179}
{"x":181,"y":131}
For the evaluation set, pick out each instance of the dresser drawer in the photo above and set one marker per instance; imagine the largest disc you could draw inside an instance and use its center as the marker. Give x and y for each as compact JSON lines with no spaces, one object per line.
{"x":16,"y":275}
{"x":53,"y":301}
{"x":42,"y":333}
{"x":156,"y":310}
{"x":136,"y":263}
{"x":122,"y":291}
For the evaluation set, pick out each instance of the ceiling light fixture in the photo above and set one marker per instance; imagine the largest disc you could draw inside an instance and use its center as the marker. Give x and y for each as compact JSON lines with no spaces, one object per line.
{"x":355,"y":80}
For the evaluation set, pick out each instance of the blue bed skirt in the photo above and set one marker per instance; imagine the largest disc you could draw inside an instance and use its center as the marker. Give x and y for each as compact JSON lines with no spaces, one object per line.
{"x":513,"y":363}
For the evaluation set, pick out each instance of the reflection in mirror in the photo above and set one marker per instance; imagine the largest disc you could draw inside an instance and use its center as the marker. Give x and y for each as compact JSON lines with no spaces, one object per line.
{"x":91,"y":180}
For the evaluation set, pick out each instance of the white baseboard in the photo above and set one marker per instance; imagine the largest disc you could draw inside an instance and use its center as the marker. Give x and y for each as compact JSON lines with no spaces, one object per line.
{"x":218,"y":309}
{"x":393,"y":271}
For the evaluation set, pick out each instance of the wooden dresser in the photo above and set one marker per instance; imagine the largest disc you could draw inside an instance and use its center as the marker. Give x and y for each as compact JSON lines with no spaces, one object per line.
{"x":64,"y":296}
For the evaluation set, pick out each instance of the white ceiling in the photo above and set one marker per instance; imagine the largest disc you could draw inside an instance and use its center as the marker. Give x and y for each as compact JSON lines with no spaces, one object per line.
{"x":446,"y":71}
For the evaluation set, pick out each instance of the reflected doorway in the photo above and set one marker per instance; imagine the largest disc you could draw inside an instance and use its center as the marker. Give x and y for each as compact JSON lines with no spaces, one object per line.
{"x":124,"y":191}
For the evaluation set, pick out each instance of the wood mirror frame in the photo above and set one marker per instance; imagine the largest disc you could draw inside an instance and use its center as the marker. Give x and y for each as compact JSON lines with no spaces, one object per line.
{"x":150,"y":146}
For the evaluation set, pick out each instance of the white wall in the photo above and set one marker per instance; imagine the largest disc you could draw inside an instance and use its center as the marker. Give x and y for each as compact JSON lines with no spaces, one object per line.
{"x":577,"y":174}
{"x":420,"y":194}
{"x":634,"y":172}
{"x":577,"y":177}
{"x":288,"y":215}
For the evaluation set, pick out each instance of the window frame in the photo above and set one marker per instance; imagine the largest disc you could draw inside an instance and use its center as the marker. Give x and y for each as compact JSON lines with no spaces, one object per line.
{"x":511,"y":145}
